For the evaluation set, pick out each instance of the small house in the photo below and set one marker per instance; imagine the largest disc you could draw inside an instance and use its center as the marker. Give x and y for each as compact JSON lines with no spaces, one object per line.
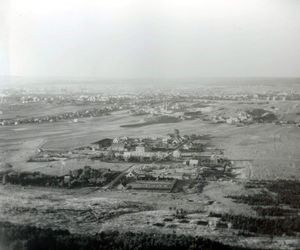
{"x":152,"y":185}
{"x":131,"y":174}
{"x":120,"y":187}
{"x":118,"y":147}
{"x":176,"y":154}
{"x":193,"y":162}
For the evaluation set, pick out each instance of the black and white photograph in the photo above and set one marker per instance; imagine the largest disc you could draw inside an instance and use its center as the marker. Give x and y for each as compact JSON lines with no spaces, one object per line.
{"x":149,"y":124}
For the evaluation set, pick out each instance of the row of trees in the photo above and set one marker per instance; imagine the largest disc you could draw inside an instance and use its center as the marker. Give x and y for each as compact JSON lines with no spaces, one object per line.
{"x":287,"y":192}
{"x":83,"y":177}
{"x":270,"y":226}
{"x":32,"y":238}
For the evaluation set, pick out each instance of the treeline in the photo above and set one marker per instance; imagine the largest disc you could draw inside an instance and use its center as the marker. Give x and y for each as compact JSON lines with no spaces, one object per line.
{"x":21,"y":237}
{"x":262,"y":115}
{"x":262,"y":225}
{"x":287,"y":192}
{"x":85,"y":177}
{"x":33,"y":179}
{"x":277,"y":208}
{"x":261,"y":199}
{"x":275,"y":211}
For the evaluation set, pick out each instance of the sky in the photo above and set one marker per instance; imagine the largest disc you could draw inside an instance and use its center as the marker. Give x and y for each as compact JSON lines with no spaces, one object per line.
{"x":150,"y":38}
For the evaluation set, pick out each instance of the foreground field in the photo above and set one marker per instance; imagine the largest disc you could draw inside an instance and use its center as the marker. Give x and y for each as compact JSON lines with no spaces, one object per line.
{"x":83,"y":212}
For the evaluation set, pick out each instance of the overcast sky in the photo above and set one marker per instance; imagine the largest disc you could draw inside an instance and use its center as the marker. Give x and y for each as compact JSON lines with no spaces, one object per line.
{"x":150,"y":38}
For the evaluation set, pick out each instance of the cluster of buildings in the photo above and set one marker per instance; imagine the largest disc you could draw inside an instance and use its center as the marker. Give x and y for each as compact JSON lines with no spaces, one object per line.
{"x":163,"y":161}
{"x":253,"y":97}
{"x":160,"y":163}
{"x":257,"y":115}
{"x":59,"y":117}
{"x":172,"y":107}
{"x":152,"y":185}
{"x":163,"y":172}
{"x":172,"y":147}
{"x":241,"y":117}
{"x":70,"y":98}
{"x":156,"y":111}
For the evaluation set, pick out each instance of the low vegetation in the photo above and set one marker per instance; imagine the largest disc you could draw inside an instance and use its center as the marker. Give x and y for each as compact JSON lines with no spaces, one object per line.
{"x":23,"y":237}
{"x":277,"y":207}
{"x":262,"y":115}
{"x":76,"y":178}
{"x":263,"y":225}
{"x":154,"y":120}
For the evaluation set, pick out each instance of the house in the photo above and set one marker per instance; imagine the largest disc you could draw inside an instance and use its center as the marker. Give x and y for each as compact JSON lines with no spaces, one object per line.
{"x":4,"y":170}
{"x":124,"y":138}
{"x":188,"y":176}
{"x":152,"y":185}
{"x":175,"y":142}
{"x":118,"y":147}
{"x":165,"y":140}
{"x":214,"y":158}
{"x":127,"y":155}
{"x":140,"y":150}
{"x":67,"y":179}
{"x":212,"y":223}
{"x":120,"y":187}
{"x":193,"y":162}
{"x":143,"y":152}
{"x":131,"y":174}
{"x":174,"y":175}
{"x":141,"y":176}
{"x":232,"y":120}
{"x":116,"y":140}
{"x":176,"y":154}
{"x":205,"y":155}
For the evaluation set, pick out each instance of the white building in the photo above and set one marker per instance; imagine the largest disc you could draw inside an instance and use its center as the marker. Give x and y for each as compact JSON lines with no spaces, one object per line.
{"x":176,"y":154}
{"x":193,"y":162}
